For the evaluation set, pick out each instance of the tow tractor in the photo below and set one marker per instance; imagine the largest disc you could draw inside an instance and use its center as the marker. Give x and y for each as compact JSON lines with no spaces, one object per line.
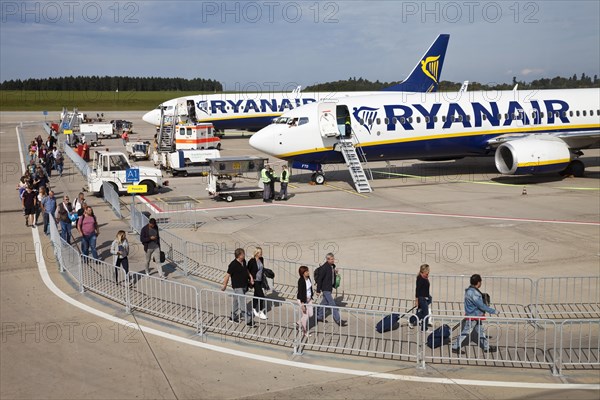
{"x":231,"y":177}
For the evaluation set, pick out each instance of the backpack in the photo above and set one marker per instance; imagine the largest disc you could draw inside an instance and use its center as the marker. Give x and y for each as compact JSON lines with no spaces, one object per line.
{"x":317,"y":274}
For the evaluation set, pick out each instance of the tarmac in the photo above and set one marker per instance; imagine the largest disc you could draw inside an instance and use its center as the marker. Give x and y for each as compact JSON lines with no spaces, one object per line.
{"x":461,"y":217}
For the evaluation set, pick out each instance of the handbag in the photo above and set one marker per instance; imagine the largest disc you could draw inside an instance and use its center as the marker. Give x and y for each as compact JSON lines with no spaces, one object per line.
{"x":338,"y":281}
{"x":162,"y":257}
{"x":269,"y":273}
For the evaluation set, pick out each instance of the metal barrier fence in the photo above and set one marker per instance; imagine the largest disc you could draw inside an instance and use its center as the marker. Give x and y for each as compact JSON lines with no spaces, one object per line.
{"x":580,"y":344}
{"x":138,"y":219}
{"x":110,"y":195}
{"x":79,"y":162}
{"x":107,"y":280}
{"x":567,"y":297}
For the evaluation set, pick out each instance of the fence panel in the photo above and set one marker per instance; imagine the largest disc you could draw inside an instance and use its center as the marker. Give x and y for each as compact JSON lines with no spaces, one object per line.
{"x":519,"y":341}
{"x":278,"y":328}
{"x":107,"y":280}
{"x":170,"y":300}
{"x":55,"y":239}
{"x":568,"y":297}
{"x":207,"y":261}
{"x":138,"y":219}
{"x":79,"y":162}
{"x":579,"y":344}
{"x":110,"y":196}
{"x":174,"y":248}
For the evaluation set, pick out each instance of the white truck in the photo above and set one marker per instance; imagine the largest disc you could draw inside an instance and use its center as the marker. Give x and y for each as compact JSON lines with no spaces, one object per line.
{"x":111,"y":167}
{"x":102,"y":130}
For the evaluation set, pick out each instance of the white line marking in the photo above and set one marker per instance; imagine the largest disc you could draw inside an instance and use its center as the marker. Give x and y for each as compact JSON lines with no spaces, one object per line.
{"x":42,"y":268}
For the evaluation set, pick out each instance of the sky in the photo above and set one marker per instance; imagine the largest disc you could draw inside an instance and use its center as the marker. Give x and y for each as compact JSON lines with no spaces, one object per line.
{"x":271,"y":44}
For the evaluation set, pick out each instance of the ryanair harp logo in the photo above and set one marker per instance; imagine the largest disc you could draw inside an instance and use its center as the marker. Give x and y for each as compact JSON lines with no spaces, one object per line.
{"x":365,"y":116}
{"x":430,"y":67}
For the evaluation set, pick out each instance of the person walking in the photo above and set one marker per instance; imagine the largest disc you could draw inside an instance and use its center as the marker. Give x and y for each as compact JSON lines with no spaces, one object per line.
{"x":422,"y":296}
{"x":29,"y":203}
{"x":475,"y":310}
{"x":150,"y":238}
{"x":284,"y":180}
{"x":120,"y":252}
{"x":59,"y":162}
{"x":125,"y":138}
{"x":240,"y":276}
{"x":256,"y":266}
{"x":304,"y":297}
{"x":266,"y":180}
{"x":48,"y":209}
{"x":87,"y":225}
{"x":38,"y":207}
{"x":63,"y":215}
{"x":79,"y":204}
{"x":325,"y":281}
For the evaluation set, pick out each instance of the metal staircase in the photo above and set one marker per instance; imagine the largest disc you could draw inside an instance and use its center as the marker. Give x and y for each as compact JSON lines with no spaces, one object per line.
{"x":165,"y":134}
{"x":354,"y":160}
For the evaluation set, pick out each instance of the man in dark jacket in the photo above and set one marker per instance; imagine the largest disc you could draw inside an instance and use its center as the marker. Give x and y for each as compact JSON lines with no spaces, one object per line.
{"x":324,"y":283}
{"x":151,"y":240}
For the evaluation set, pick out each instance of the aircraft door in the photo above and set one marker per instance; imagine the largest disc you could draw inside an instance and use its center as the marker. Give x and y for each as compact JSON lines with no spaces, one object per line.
{"x":343,"y":116}
{"x":327,"y":120}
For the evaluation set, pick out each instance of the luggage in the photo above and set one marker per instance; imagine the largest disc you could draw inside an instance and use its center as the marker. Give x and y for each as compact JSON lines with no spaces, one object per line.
{"x":388,"y":323}
{"x":439,"y":337}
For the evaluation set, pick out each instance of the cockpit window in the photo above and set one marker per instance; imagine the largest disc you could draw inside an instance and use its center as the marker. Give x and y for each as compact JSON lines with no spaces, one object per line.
{"x":302,"y":121}
{"x":281,"y":120}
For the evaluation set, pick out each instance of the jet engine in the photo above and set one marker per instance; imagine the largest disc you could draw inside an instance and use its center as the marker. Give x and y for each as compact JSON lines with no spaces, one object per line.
{"x":533,"y":155}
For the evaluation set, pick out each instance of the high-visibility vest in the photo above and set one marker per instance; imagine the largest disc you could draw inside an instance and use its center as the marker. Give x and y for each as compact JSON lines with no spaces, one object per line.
{"x":264,"y":176}
{"x":285,"y":176}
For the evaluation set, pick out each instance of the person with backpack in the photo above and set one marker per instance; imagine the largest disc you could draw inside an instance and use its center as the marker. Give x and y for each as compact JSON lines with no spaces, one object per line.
{"x":88,"y":228}
{"x":325,"y":278}
{"x":475,"y":310}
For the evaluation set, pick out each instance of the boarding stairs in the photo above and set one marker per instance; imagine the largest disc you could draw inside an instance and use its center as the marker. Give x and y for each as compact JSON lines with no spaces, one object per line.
{"x":354,"y":157}
{"x":165,"y":140}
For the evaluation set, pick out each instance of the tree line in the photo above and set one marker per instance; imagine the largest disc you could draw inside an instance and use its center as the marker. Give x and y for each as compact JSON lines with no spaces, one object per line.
{"x":360,"y":84}
{"x":113,"y":83}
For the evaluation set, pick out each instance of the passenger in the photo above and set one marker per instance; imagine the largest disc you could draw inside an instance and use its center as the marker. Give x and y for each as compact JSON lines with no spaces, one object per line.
{"x":239,"y":274}
{"x":422,"y":296}
{"x":40,"y":199}
{"x":120,"y":251}
{"x":304,"y":296}
{"x":475,"y":308}
{"x":89,"y":231}
{"x":324,"y":283}
{"x":79,"y":204}
{"x":284,"y":180}
{"x":48,"y":209}
{"x":266,"y":180}
{"x":59,"y":162}
{"x":256,"y":265}
{"x":63,"y":211}
{"x":29,"y":203}
{"x":150,"y":238}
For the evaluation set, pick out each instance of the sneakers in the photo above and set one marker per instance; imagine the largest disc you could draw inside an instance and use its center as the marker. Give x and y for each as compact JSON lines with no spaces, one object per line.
{"x":341,"y":323}
{"x":255,"y":312}
{"x":262,"y":315}
{"x":251,"y":324}
{"x":458,"y":351}
{"x":236,"y":320}
{"x":491,"y":349}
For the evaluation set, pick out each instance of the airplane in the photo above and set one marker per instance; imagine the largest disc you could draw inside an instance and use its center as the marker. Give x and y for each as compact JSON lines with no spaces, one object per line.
{"x":253,"y":111}
{"x":527,"y":131}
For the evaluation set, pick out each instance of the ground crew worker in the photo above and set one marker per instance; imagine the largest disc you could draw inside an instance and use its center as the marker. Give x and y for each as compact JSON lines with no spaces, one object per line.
{"x":274,"y":178}
{"x":284,"y":180}
{"x":348,"y":127}
{"x":266,"y":180}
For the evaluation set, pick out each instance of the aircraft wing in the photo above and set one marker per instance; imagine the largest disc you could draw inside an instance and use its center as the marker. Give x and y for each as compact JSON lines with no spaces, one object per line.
{"x":574,"y":139}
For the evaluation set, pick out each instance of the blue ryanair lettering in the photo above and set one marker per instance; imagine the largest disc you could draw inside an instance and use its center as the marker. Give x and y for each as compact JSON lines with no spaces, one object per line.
{"x":551,"y":109}
{"x":306,"y":101}
{"x":217,"y":105}
{"x":251,"y":104}
{"x":455,"y":109}
{"x":537,"y":114}
{"x":285,"y":104}
{"x":429,"y":115}
{"x":492,"y":116}
{"x":235,"y":105}
{"x":514,"y":108}
{"x":390,"y":113}
{"x":271,"y":104}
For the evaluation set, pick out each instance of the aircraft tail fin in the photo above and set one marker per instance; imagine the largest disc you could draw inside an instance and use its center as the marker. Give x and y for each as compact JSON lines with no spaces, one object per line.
{"x":425,"y":76}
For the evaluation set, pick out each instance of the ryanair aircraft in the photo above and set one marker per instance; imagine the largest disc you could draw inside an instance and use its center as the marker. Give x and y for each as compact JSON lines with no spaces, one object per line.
{"x":528,"y":132}
{"x":253,"y":111}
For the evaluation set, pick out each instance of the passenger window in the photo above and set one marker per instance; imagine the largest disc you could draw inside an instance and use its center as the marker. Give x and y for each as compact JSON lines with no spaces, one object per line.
{"x":571,"y":113}
{"x":361,"y":121}
{"x":427,"y":119}
{"x":418,"y":120}
{"x":402,"y":120}
{"x":459,"y":118}
{"x":386,"y":121}
{"x":542,"y":114}
{"x":378,"y":121}
{"x":370,"y":122}
{"x":584,"y":113}
{"x":394,"y":120}
{"x":468,"y":117}
{"x":410,"y":120}
{"x":499,"y":117}
{"x":577,"y":113}
{"x":443,"y":118}
{"x":435,"y":119}
{"x":484,"y":117}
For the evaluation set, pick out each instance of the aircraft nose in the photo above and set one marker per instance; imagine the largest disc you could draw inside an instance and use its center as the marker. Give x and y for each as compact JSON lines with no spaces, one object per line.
{"x":152,"y":117}
{"x":264,"y":140}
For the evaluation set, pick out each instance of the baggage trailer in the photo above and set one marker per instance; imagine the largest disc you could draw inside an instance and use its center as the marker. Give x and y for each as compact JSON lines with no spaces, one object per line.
{"x":231,"y":177}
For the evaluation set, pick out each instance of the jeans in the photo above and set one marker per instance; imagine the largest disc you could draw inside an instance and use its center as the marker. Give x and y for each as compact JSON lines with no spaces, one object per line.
{"x":239,"y":304}
{"x":257,"y":303}
{"x":306,"y":315}
{"x":89,"y":243}
{"x":469,"y":325}
{"x":65,"y":231}
{"x":423,"y":310}
{"x":46,"y":217}
{"x":124,"y":263}
{"x":59,"y":168}
{"x":328,"y":301}
{"x":283,"y":191}
{"x":154,"y":254}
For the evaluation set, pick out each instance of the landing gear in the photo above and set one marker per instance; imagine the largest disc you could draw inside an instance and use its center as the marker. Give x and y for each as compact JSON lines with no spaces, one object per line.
{"x":575,"y":168}
{"x":318,"y":178}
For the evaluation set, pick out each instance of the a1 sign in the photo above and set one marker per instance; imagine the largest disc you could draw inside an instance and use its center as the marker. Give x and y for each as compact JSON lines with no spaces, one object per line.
{"x":132,"y":175}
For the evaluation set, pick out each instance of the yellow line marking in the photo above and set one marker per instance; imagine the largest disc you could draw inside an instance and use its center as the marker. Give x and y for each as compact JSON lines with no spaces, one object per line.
{"x":345,"y":190}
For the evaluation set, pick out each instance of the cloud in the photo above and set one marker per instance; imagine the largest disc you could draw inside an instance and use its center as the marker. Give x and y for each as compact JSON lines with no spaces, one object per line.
{"x":529,"y":71}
